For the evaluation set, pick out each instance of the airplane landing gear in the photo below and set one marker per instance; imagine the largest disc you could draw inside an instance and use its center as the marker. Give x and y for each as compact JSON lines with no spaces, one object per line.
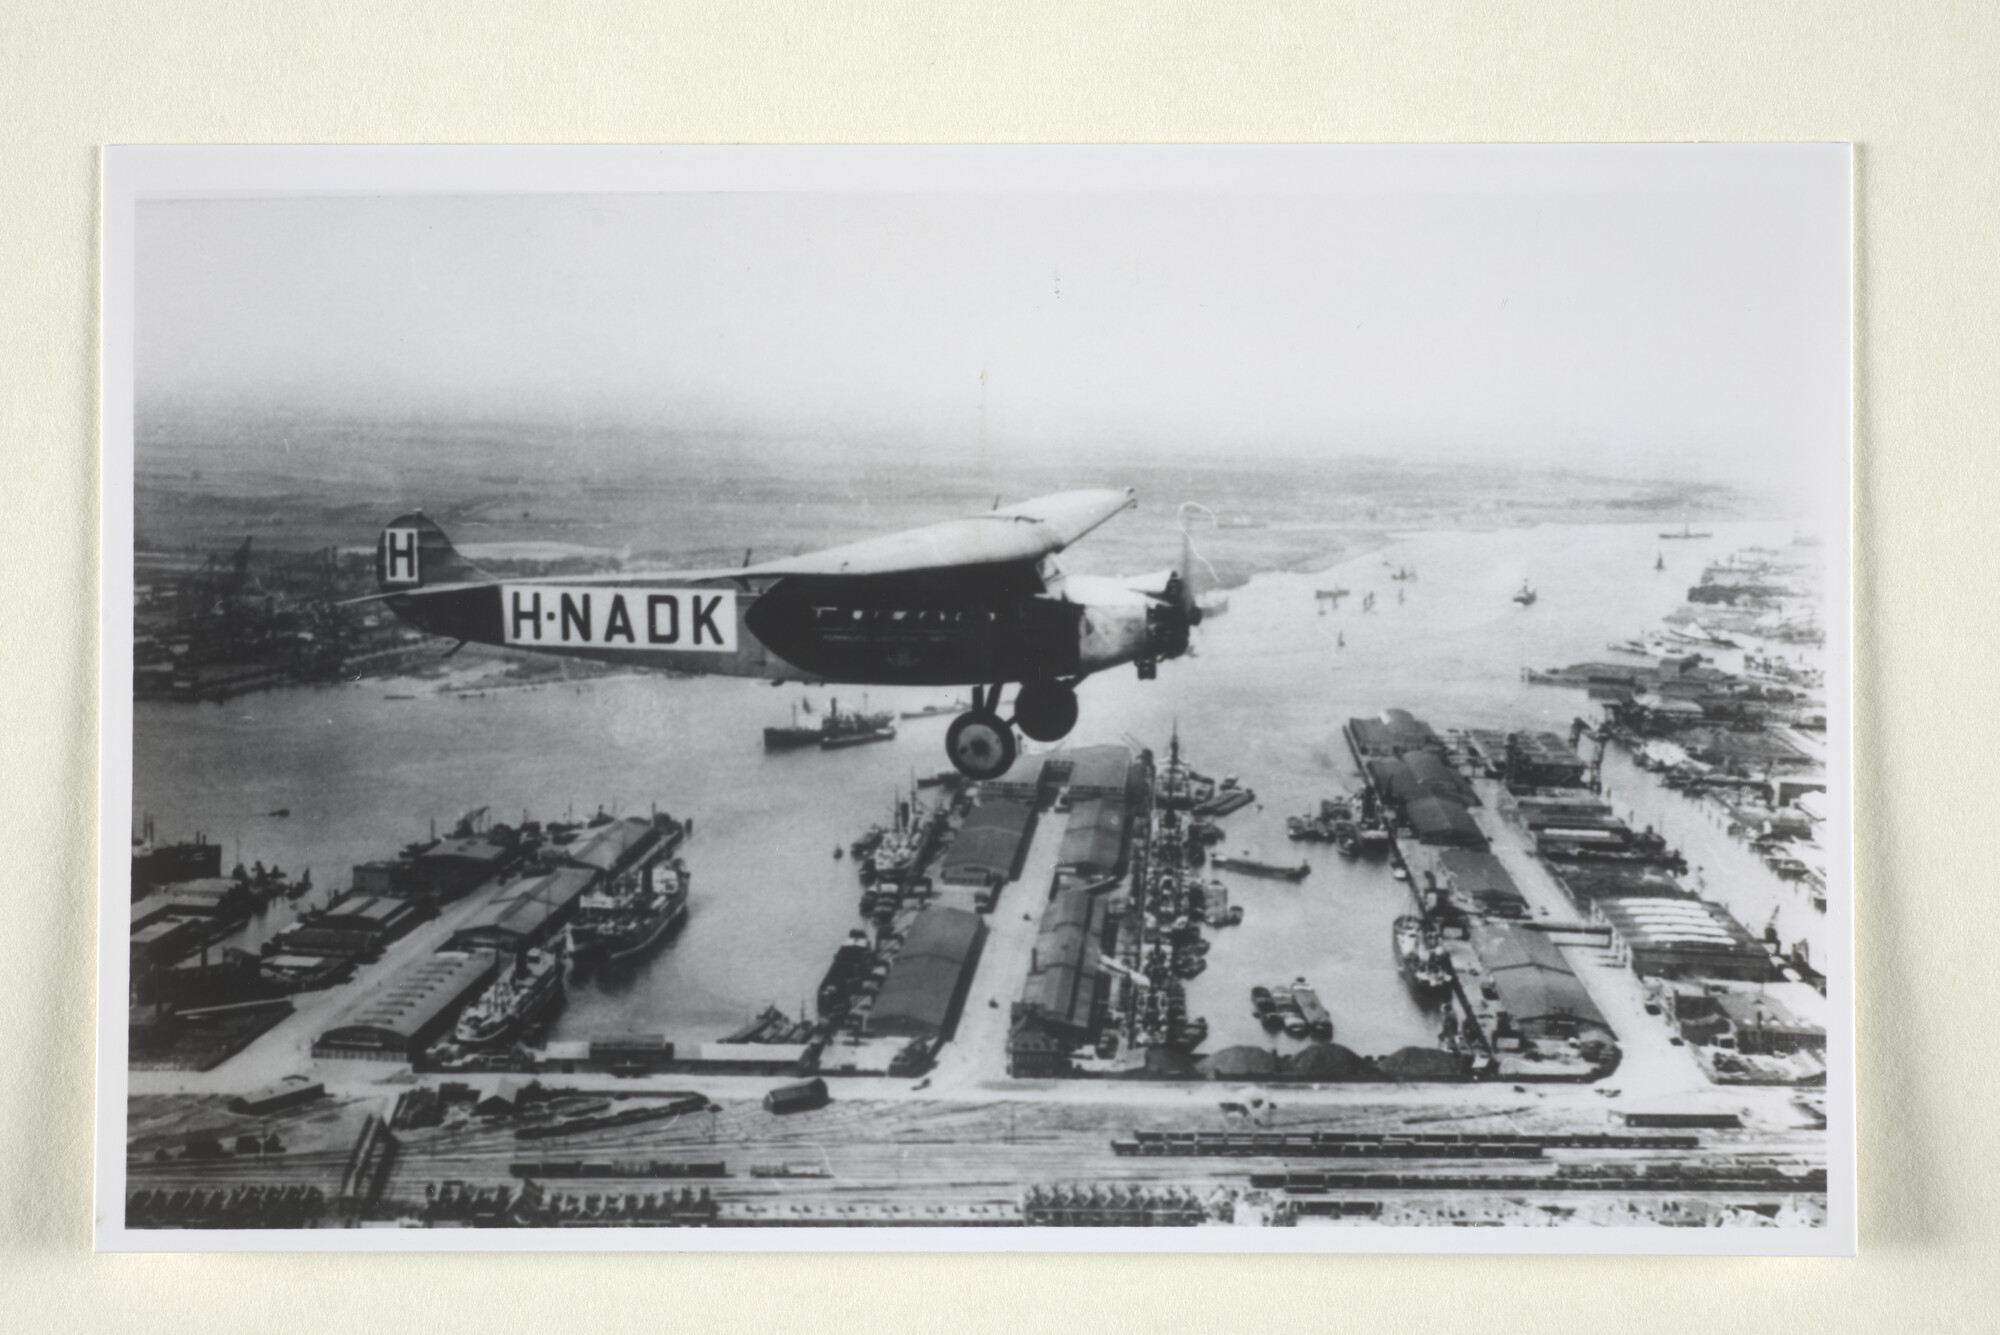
{"x":980,"y":744}
{"x":1045,"y":710}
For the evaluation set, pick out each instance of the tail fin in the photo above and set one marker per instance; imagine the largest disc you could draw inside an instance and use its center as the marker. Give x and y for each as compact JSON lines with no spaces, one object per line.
{"x":1188,"y":601}
{"x":1185,"y":577}
{"x":413,"y":553}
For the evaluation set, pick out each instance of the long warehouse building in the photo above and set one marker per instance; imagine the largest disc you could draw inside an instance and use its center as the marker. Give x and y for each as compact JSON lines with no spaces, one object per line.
{"x":928,"y":979}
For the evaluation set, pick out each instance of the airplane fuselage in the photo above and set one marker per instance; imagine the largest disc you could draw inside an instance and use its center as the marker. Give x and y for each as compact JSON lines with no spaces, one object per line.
{"x":806,"y":628}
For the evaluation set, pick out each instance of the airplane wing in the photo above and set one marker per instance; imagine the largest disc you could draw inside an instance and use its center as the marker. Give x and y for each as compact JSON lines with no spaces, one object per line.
{"x":1025,"y":532}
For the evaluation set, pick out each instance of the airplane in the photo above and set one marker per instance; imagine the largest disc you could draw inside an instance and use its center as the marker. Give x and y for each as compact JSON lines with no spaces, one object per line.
{"x":978,"y":601}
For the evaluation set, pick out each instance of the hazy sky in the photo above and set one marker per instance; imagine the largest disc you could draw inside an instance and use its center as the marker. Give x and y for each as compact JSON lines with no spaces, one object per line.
{"x":1574,"y":327}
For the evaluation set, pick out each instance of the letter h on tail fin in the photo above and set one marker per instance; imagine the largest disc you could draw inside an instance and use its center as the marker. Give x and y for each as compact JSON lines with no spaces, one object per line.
{"x":414,"y":553}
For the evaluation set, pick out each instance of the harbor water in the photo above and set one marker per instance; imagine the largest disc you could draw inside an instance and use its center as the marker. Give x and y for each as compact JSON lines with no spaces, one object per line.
{"x":1263,"y":697}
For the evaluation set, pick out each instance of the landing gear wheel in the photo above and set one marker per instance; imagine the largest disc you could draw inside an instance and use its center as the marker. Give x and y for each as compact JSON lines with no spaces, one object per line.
{"x":980,"y":745}
{"x":1045,"y":710}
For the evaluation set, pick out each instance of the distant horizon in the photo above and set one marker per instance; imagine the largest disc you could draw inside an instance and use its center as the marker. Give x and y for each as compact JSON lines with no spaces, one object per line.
{"x":1646,"y":326}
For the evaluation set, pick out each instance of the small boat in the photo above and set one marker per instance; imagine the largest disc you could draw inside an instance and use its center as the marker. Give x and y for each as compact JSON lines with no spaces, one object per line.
{"x":934,"y":711}
{"x":1253,"y":866}
{"x":1660,"y":561}
{"x":1305,"y":1000}
{"x":1685,"y":533}
{"x":1527,"y":595}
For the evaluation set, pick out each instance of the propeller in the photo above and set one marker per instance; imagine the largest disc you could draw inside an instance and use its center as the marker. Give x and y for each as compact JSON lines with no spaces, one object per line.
{"x":1184,"y":577}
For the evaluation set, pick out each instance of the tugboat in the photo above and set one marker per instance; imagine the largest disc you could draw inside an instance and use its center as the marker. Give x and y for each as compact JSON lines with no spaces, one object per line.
{"x":1422,"y":958}
{"x":517,"y":1000}
{"x":632,"y":914}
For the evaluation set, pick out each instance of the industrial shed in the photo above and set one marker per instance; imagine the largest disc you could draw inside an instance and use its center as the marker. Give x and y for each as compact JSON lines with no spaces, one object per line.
{"x":1397,"y":732}
{"x":1438,"y":779}
{"x":1021,"y":783}
{"x":1588,"y":883}
{"x":528,"y":913}
{"x":614,"y":847}
{"x":988,"y":848}
{"x":1393,"y":781}
{"x":1682,"y":938}
{"x":1066,"y":977}
{"x":1093,"y":843}
{"x":927,"y":981}
{"x":1473,"y":872}
{"x":1099,"y":771}
{"x":454,"y":867}
{"x":1441,"y":822}
{"x":1543,"y":760}
{"x":408,"y":1012}
{"x":217,"y":896}
{"x":1537,"y":991}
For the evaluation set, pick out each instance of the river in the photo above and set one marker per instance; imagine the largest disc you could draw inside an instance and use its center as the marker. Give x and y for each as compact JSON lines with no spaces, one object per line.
{"x":1263,"y":697}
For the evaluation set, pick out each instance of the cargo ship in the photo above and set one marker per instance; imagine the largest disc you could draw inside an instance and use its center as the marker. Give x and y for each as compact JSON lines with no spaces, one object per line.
{"x":1422,"y":957}
{"x":518,"y":999}
{"x":901,"y":848}
{"x":636,"y":911}
{"x":835,"y":730}
{"x":1687,"y":532}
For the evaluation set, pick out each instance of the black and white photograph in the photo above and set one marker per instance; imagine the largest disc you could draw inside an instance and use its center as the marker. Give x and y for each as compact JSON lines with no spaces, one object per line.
{"x":1153,"y":699}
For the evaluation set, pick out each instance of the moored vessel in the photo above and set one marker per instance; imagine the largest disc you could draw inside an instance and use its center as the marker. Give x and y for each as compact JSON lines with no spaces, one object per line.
{"x":1254,"y":866}
{"x":519,"y":998}
{"x":632,"y":913}
{"x":1420,"y":954}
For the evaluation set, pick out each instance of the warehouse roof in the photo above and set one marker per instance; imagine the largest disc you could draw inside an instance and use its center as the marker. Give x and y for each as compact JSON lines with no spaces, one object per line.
{"x":1533,"y":979}
{"x":988,"y":846}
{"x":613,"y":847}
{"x":924,"y":981}
{"x":409,"y":1007}
{"x":1099,"y":769}
{"x":478,"y":850}
{"x":527,"y":911}
{"x":1438,"y":820}
{"x":1587,"y":883}
{"x":1687,"y":930}
{"x":1436,"y":777}
{"x":1393,"y":779}
{"x":1473,"y":870}
{"x":1062,"y":982}
{"x":1094,"y":839}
